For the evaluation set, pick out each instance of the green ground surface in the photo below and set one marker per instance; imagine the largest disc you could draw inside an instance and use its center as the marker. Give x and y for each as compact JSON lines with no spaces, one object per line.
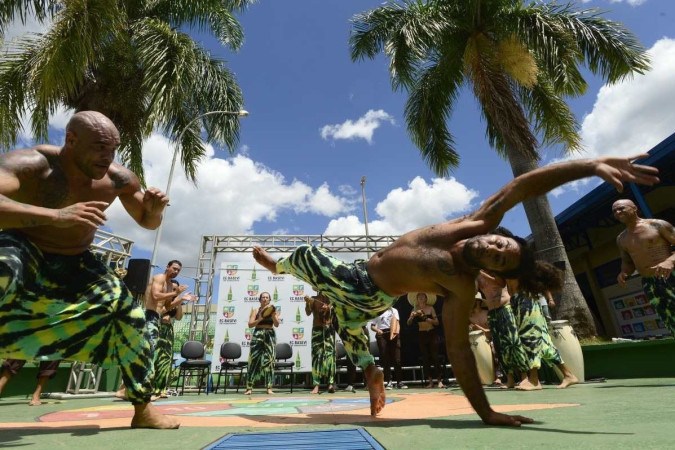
{"x":618,"y":414}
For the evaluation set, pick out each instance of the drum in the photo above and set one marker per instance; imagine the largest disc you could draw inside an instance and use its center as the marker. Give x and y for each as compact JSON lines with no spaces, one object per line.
{"x":483,"y":354}
{"x":565,"y":340}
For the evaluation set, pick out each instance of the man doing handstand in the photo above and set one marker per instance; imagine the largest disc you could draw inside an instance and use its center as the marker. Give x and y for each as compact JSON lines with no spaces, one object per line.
{"x":442,"y":259}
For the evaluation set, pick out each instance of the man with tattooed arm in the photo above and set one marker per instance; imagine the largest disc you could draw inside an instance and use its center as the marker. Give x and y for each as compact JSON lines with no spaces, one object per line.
{"x":57,"y":300}
{"x":646,"y":246}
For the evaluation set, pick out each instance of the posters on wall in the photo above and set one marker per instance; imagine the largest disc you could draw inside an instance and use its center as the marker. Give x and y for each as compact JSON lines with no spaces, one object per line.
{"x":635,"y":317}
{"x":239,"y":289}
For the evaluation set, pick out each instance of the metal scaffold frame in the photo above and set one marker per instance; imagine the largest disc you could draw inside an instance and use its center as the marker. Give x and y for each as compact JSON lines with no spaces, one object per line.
{"x":212,"y":245}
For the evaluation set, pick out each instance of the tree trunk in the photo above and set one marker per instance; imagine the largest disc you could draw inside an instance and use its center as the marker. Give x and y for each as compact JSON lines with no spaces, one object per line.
{"x":571,"y":304}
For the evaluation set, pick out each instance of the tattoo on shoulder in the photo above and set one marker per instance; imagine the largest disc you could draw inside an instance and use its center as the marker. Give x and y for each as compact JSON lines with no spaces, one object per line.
{"x":119,"y":179}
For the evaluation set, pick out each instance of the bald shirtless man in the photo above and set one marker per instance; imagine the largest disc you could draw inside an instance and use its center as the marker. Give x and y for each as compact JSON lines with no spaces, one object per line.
{"x":442,"y":259}
{"x":645,"y":246}
{"x":57,"y":299}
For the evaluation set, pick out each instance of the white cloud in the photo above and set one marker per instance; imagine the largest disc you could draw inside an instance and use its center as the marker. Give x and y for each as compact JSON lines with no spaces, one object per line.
{"x":232,"y":195}
{"x":634,"y":115}
{"x":362,"y":128}
{"x":403,"y":210}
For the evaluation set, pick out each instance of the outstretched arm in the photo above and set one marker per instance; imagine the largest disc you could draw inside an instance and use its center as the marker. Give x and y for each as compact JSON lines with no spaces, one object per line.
{"x":542,"y":180}
{"x":456,"y":311}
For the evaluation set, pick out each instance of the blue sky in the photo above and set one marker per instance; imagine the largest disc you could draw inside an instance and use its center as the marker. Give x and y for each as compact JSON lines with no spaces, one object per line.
{"x":319,"y":122}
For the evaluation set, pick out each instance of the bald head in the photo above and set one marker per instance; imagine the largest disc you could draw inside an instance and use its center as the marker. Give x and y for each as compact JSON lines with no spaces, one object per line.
{"x":90,"y":121}
{"x":91,"y":142}
{"x":624,"y":210}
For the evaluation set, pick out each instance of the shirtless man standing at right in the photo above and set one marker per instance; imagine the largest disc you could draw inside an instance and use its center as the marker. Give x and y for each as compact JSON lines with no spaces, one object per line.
{"x":646,"y":246}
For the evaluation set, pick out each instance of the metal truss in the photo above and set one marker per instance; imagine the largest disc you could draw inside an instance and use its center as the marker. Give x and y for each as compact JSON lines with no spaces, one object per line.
{"x":213,"y":245}
{"x":112,"y":249}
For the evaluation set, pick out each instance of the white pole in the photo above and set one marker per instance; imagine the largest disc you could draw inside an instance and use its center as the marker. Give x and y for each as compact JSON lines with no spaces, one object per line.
{"x":365,"y":214}
{"x":158,"y":233}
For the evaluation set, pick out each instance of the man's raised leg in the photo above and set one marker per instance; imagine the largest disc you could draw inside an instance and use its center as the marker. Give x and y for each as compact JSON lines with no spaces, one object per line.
{"x":264,"y":259}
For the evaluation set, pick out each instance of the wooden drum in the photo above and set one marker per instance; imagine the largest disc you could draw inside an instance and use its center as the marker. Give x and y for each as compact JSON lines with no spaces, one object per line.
{"x":565,"y":340}
{"x":483,"y":354}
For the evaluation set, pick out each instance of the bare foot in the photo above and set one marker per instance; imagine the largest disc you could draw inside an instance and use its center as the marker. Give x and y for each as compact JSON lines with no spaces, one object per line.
{"x":429,"y":385}
{"x":315,"y":390}
{"x":35,"y":402}
{"x":375,"y":384}
{"x":569,"y":380}
{"x":270,"y":391}
{"x":248,"y":392}
{"x":525,"y":385}
{"x":331,"y":389}
{"x":147,"y":416}
{"x":510,"y":381}
{"x":440,"y":385}
{"x":264,"y":259}
{"x":122,"y":393}
{"x":154,"y":398}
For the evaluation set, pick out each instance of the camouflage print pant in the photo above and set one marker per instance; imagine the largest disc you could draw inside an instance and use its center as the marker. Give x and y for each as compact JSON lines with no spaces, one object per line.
{"x":163,"y":358}
{"x":510,"y":351}
{"x":533,"y":332}
{"x":661,"y":295}
{"x":71,"y":307}
{"x":261,"y":359}
{"x":354,"y":296}
{"x":323,"y":354}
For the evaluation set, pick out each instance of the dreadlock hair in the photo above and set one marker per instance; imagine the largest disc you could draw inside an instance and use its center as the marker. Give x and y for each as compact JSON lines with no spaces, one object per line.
{"x":543,"y":277}
{"x":526,"y":263}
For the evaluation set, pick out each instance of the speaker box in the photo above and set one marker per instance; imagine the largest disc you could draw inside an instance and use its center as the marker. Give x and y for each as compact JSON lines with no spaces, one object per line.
{"x":138,"y":275}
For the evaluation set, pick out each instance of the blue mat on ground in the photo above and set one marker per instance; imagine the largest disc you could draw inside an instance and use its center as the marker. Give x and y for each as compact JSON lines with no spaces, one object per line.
{"x":352,"y":438}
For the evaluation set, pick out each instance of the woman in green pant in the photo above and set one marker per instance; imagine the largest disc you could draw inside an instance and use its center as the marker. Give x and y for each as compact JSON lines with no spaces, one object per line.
{"x":262,"y":356}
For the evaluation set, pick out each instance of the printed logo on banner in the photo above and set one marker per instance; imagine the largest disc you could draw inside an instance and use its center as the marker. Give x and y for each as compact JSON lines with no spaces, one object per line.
{"x":276,"y":278}
{"x":298,"y":293}
{"x":254,"y":274}
{"x":248,"y":334}
{"x":228,"y":312}
{"x":298,"y":316}
{"x":298,"y":335}
{"x":231,"y":272}
{"x":252,"y":293}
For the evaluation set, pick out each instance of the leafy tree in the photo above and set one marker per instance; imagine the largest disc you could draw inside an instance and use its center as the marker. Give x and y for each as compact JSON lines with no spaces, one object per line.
{"x":521,"y":61}
{"x":129,"y":60}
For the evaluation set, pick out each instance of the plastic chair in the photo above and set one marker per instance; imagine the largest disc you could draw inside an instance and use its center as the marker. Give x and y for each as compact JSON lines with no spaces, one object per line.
{"x":284,"y":351}
{"x":230,"y":352}
{"x":193,"y":352}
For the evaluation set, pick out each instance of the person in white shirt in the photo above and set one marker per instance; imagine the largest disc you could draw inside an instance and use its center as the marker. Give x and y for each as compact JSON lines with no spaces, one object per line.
{"x":387,"y":330}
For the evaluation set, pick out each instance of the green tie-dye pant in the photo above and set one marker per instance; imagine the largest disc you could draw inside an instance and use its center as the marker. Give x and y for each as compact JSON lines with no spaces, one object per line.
{"x":262,"y":357}
{"x":354,"y":296}
{"x":508,"y":347}
{"x":163,"y":358}
{"x":323,"y":354}
{"x":661,"y":295}
{"x":71,"y":307}
{"x":533,"y":332}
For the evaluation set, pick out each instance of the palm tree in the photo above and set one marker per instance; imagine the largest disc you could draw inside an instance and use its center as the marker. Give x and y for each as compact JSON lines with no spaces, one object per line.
{"x":521,"y":61}
{"x":129,"y":60}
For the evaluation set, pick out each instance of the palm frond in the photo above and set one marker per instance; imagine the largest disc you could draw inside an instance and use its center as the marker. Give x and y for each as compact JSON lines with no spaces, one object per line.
{"x":183,"y":82}
{"x":14,"y":92}
{"x":551,"y":116}
{"x":213,"y":15}
{"x":11,"y":10}
{"x":407,"y":33}
{"x":428,"y":109}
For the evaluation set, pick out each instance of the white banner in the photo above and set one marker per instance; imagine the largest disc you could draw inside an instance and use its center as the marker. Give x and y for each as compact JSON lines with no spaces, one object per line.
{"x":239,"y":288}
